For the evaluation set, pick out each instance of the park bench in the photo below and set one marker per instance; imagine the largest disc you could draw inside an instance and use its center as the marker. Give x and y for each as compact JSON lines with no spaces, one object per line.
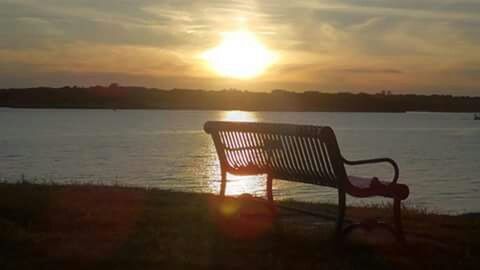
{"x":301,"y":153}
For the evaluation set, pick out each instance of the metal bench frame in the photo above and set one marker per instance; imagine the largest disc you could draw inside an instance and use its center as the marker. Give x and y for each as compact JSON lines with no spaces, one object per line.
{"x":300,"y":153}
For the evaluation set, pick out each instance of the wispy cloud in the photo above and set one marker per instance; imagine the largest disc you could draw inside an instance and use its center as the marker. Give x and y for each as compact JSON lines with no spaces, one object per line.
{"x":325,"y":45}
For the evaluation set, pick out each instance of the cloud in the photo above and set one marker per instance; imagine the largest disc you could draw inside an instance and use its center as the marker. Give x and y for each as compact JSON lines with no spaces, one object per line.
{"x":371,"y":71}
{"x":322,"y":44}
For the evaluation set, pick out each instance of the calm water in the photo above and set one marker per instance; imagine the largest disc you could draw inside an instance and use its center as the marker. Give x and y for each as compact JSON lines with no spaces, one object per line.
{"x":438,"y":153}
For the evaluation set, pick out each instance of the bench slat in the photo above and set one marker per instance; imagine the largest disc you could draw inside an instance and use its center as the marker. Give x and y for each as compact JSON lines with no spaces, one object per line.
{"x":291,"y":152}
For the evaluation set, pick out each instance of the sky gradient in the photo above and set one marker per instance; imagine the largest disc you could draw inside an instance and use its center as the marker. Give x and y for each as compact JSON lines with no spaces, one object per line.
{"x":425,"y":47}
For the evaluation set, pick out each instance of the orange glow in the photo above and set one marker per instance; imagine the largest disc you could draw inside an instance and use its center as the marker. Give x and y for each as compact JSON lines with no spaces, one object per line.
{"x":244,"y":217}
{"x":229,"y":208}
{"x":240,"y":55}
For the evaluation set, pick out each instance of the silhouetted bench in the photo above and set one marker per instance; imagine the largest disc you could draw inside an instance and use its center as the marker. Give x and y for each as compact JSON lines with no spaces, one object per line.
{"x":300,"y":153}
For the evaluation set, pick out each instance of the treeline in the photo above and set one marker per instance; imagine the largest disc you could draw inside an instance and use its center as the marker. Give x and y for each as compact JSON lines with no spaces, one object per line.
{"x":122,"y":97}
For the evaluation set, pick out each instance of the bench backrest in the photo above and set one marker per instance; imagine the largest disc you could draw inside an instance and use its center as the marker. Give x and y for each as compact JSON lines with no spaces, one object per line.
{"x":308,"y":154}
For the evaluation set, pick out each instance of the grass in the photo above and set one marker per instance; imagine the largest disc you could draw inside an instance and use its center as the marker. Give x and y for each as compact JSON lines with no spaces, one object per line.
{"x":101,"y":227}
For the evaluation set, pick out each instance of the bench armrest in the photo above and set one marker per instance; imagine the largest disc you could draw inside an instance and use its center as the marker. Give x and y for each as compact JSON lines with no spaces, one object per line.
{"x":376,"y":160}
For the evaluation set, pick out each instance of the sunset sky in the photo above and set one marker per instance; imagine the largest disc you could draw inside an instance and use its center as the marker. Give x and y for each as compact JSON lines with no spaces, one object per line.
{"x":408,"y":46}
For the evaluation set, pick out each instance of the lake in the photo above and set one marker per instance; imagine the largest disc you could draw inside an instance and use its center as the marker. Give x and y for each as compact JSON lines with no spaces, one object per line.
{"x":438,"y":153}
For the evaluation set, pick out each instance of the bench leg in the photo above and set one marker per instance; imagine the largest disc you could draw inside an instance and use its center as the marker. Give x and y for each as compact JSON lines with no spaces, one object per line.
{"x":269,"y":188}
{"x":369,"y":225}
{"x":223,"y":183}
{"x":340,"y":212}
{"x":397,"y":219}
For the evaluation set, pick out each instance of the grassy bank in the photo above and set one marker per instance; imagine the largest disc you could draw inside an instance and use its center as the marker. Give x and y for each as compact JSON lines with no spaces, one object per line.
{"x":97,"y":227}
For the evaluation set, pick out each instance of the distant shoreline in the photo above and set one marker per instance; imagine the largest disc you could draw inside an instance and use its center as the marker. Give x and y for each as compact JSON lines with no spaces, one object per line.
{"x":115,"y":97}
{"x":187,"y":109}
{"x":199,"y":110}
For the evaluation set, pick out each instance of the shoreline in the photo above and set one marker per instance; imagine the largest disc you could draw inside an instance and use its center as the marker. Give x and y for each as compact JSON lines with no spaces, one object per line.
{"x":353,"y":202}
{"x":206,"y":110}
{"x":194,"y":109}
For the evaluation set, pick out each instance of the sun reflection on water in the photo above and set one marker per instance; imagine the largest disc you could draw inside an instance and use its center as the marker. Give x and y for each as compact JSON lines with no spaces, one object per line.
{"x":239,"y":116}
{"x":236,"y":185}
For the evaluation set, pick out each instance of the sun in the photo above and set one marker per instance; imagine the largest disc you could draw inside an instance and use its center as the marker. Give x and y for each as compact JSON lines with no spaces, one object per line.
{"x":240,"y":55}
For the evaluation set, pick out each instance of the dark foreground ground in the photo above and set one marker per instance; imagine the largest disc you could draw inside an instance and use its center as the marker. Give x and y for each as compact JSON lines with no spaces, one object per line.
{"x":97,"y":227}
